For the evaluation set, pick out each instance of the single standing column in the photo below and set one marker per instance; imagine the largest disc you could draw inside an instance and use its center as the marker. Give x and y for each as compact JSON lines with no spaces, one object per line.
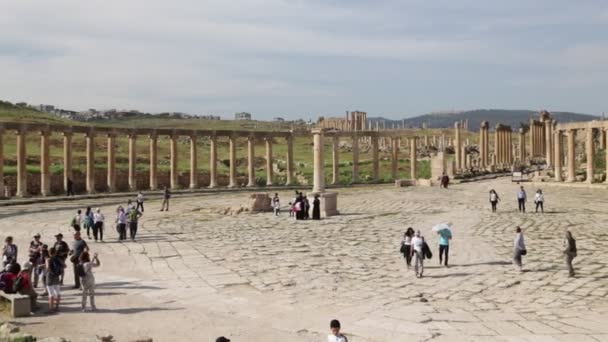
{"x":522,"y":145}
{"x":269,"y":171}
{"x":132,"y":161}
{"x":605,"y":140}
{"x":153,"y":161}
{"x":464,"y":157}
{"x":336,"y":159}
{"x":548,"y":150}
{"x":355,"y":159}
{"x":45,"y":161}
{"x":173,"y":161}
{"x":111,"y":154}
{"x":413,"y":160}
{"x":2,"y":189}
{"x":482,"y":145}
{"x":375,"y":159}
{"x":318,"y":178}
{"x":395,"y":158}
{"x":457,"y":147}
{"x":67,"y":159}
{"x":90,"y":153}
{"x":232,"y":148}
{"x":250,"y":160}
{"x":21,"y":163}
{"x":571,"y":166}
{"x":212,"y":161}
{"x":289,"y":178}
{"x":557,"y":158}
{"x":193,"y":163}
{"x":426,"y":141}
{"x":590,"y":155}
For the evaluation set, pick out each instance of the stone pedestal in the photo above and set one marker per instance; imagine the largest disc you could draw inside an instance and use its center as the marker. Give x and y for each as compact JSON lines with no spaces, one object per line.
{"x":329,"y":203}
{"x":260,"y":202}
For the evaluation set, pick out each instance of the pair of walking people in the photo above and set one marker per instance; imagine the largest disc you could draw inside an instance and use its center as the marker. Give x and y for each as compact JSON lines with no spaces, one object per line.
{"x":414,"y":247}
{"x":520,"y":250}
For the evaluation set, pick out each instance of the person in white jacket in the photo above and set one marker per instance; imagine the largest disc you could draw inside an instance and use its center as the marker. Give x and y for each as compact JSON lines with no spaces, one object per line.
{"x":539,"y":199}
{"x":98,"y":220}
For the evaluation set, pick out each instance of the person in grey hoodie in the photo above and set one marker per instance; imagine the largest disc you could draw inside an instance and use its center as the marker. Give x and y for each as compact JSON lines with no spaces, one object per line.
{"x":519,"y":249}
{"x":570,"y":252}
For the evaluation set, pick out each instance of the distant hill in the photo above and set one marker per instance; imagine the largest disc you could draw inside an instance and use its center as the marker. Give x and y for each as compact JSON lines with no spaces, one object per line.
{"x":493,"y":116}
{"x":13,"y":113}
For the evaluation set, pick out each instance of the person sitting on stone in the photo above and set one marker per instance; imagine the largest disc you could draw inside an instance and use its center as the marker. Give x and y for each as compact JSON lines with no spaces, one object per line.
{"x":23,"y":285}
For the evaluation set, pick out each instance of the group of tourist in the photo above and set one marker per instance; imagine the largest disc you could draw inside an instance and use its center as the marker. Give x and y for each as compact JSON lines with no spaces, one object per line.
{"x":47,"y":266}
{"x":334,"y":336}
{"x":522,"y":198}
{"x":300,"y":207}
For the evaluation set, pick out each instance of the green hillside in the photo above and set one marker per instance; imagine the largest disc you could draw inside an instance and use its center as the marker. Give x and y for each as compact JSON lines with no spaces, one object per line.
{"x":12,"y":113}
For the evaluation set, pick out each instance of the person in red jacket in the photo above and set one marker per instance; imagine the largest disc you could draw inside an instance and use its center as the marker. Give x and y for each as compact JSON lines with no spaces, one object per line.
{"x":25,"y":287}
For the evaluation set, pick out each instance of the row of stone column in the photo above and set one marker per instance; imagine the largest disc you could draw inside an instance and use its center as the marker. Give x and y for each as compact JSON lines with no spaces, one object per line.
{"x":558,"y":152}
{"x":153,"y":154}
{"x":503,"y":145}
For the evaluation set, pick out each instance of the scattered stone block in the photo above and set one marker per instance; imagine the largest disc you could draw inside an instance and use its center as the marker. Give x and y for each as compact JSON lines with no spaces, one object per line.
{"x":260,"y":202}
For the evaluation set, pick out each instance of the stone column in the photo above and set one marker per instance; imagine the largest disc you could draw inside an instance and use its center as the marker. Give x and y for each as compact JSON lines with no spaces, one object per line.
{"x":571,"y":160}
{"x":394,"y":158}
{"x":132,"y":161}
{"x":355,"y":158}
{"x":496,"y":147}
{"x":67,"y":159}
{"x":557,"y":150}
{"x":232,"y":150}
{"x":269,"y":171}
{"x":251,"y":160}
{"x":548,"y":147}
{"x":590,"y":154}
{"x":2,"y":190}
{"x":605,"y":140}
{"x":318,"y":184}
{"x":111,"y":155}
{"x":457,"y":146}
{"x":463,"y":153}
{"x":173,"y":161}
{"x":212,"y":161}
{"x":522,"y":145}
{"x":375,"y":160}
{"x":193,"y":162}
{"x":153,"y":161}
{"x":482,"y":145}
{"x":21,"y":163}
{"x":413,"y":159}
{"x":532,"y":133}
{"x":426,"y":140}
{"x":289,"y":177}
{"x":90,"y":153}
{"x":336,"y":159}
{"x":45,"y":161}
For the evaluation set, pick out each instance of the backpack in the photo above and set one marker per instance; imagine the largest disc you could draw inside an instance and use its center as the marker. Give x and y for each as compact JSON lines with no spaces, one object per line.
{"x":80,"y":272}
{"x":18,"y":284}
{"x":133,"y":215}
{"x":426,"y":251}
{"x":55,"y":267}
{"x":73,"y":222}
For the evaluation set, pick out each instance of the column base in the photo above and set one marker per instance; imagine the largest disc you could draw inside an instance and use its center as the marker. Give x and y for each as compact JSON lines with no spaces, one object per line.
{"x":193,"y":186}
{"x":329,"y":203}
{"x":212,"y":186}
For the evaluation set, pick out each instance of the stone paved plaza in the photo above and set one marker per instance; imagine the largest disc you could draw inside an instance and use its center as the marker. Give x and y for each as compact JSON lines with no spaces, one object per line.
{"x":195,"y":273}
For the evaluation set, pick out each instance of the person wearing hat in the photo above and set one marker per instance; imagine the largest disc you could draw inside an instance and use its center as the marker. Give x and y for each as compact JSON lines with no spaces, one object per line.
{"x":35,"y":254}
{"x":23,"y":285}
{"x":62,"y":249}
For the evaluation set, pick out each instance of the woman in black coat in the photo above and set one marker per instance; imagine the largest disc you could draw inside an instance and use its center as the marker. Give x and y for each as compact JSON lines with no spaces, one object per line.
{"x":316,"y":208}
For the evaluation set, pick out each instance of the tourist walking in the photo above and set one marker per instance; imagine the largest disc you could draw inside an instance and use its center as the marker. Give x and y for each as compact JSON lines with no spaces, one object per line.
{"x":78,"y":247}
{"x":76,"y":220}
{"x":35,"y":253}
{"x":519,"y":249}
{"x":445,"y":181}
{"x":62,"y":250}
{"x":306,"y":208}
{"x":166,"y":197}
{"x":316,"y":208}
{"x":70,"y":187}
{"x":570,"y":252}
{"x":98,"y":227}
{"x":494,"y":198}
{"x":121,"y":223}
{"x":55,"y":269}
{"x":336,"y":335}
{"x":9,"y":252}
{"x":40,"y":270}
{"x":88,"y":221}
{"x":140,"y":201}
{"x":539,"y":199}
{"x":417,"y":252}
{"x":132,"y":217}
{"x":276,"y":204}
{"x":88,"y":279}
{"x":406,"y":246}
{"x":445,"y":235}
{"x":521,"y":199}
{"x":23,"y":285}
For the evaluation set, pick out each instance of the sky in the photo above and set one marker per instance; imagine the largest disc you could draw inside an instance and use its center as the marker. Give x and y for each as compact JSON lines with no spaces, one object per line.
{"x":306,"y":58}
